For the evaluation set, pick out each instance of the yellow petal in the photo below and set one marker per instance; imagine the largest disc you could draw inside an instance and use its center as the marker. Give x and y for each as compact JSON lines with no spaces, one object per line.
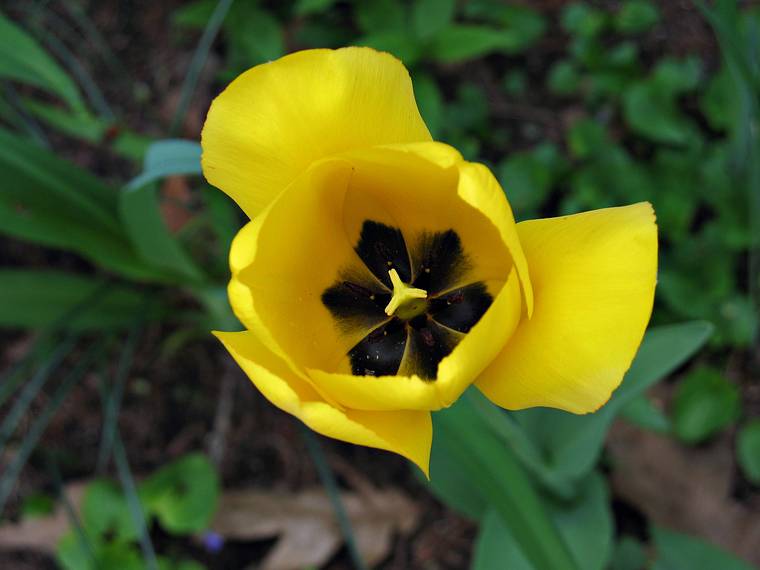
{"x":407,"y":433}
{"x":593,"y":277}
{"x":277,"y":118}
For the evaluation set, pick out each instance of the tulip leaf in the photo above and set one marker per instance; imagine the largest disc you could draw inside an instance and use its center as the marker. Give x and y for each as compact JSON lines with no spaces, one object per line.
{"x":141,"y":214}
{"x":572,"y":444}
{"x":487,"y":469}
{"x":49,"y":201}
{"x":39,"y":298}
{"x":677,"y":551}
{"x":585,"y":524}
{"x":23,"y":59}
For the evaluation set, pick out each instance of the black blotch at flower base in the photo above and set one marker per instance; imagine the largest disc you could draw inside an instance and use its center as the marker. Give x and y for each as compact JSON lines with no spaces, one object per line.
{"x":436,"y":264}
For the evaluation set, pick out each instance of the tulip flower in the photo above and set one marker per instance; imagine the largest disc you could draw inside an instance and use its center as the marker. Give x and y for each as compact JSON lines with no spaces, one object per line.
{"x":381,"y":274}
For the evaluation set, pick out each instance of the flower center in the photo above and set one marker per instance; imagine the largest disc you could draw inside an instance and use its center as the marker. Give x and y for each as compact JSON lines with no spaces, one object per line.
{"x":407,"y":302}
{"x":412,"y":304}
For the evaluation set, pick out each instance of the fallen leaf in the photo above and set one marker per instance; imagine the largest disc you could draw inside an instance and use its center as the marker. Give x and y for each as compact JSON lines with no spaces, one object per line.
{"x":685,"y":489}
{"x":306,"y":525}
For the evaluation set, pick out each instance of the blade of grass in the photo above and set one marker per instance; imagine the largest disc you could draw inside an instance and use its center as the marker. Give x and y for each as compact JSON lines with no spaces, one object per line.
{"x":133,"y":500}
{"x":9,"y":477}
{"x":112,"y":402}
{"x":71,"y":513}
{"x":199,"y":60}
{"x":46,"y":340}
{"x":21,"y":118}
{"x":328,"y":481}
{"x":31,"y":390}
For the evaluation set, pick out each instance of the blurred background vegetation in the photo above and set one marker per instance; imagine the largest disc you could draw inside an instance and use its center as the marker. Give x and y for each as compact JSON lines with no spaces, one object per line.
{"x":113,"y":254}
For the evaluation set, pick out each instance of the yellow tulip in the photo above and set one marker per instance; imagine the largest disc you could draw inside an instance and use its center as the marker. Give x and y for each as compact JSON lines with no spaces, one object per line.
{"x":381,"y":274}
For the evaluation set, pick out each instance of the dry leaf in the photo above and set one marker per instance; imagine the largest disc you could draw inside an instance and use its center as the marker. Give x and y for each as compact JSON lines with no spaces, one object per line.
{"x":686,"y":489}
{"x":304,"y":522}
{"x":306,"y":525}
{"x":41,"y":534}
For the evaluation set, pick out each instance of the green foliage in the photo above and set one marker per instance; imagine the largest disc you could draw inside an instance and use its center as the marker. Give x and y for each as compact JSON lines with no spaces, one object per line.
{"x":181,"y":496}
{"x":748,"y":450}
{"x":23,"y":59}
{"x":628,"y":555}
{"x":705,"y":403}
{"x":636,"y":16}
{"x":677,"y":551}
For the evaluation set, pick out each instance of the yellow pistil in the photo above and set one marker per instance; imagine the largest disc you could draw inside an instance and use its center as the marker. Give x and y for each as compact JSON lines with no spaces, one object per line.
{"x":407,"y":302}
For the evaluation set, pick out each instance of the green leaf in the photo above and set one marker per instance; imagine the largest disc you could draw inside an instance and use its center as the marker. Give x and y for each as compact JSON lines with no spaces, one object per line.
{"x":564,"y":78}
{"x":488,"y":469}
{"x":169,"y":157}
{"x":378,"y":16}
{"x":527,"y":177}
{"x":23,"y":59}
{"x":87,"y":127}
{"x":141,"y":215}
{"x":430,"y":101}
{"x":721,"y":102}
{"x":399,"y":43}
{"x":460,"y":42}
{"x":572,"y":444}
{"x":681,"y":552}
{"x":37,"y":505}
{"x":430,"y":16}
{"x":587,"y":138}
{"x":643,"y":413}
{"x":583,"y":20}
{"x":636,"y":16}
{"x":194,"y":15}
{"x":105,"y":513}
{"x":522,"y":26}
{"x":585,"y":524}
{"x":183,"y":494}
{"x":651,"y":109}
{"x":255,"y":36}
{"x":704,"y":404}
{"x":629,"y":554}
{"x":309,"y":7}
{"x":49,"y":201}
{"x":748,"y":450}
{"x":38,"y":298}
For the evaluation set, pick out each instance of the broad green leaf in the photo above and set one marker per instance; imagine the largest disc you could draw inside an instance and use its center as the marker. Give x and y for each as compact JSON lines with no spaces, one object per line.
{"x":105,"y":513}
{"x":309,"y":7}
{"x":583,"y":20}
{"x":677,"y":551}
{"x":431,"y":16}
{"x":527,"y":177}
{"x":522,"y":26}
{"x":86,"y":127}
{"x":572,"y":444}
{"x":38,"y":298}
{"x":636,"y":16}
{"x":169,"y":157}
{"x":564,"y":78}
{"x":380,"y":16}
{"x":182,"y":495}
{"x":585,"y":524}
{"x":37,"y":505}
{"x":705,"y":403}
{"x":141,"y":215}
{"x":488,"y":469}
{"x":194,"y":15}
{"x":398,"y":42}
{"x":72,"y":555}
{"x":643,"y":413}
{"x":430,"y":101}
{"x":629,"y":554}
{"x":48,"y":201}
{"x":460,"y":42}
{"x":748,"y":450}
{"x":23,"y":59}
{"x":255,"y":36}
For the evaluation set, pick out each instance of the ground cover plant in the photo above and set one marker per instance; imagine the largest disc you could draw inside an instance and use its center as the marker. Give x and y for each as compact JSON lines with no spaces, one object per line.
{"x":129,"y":440}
